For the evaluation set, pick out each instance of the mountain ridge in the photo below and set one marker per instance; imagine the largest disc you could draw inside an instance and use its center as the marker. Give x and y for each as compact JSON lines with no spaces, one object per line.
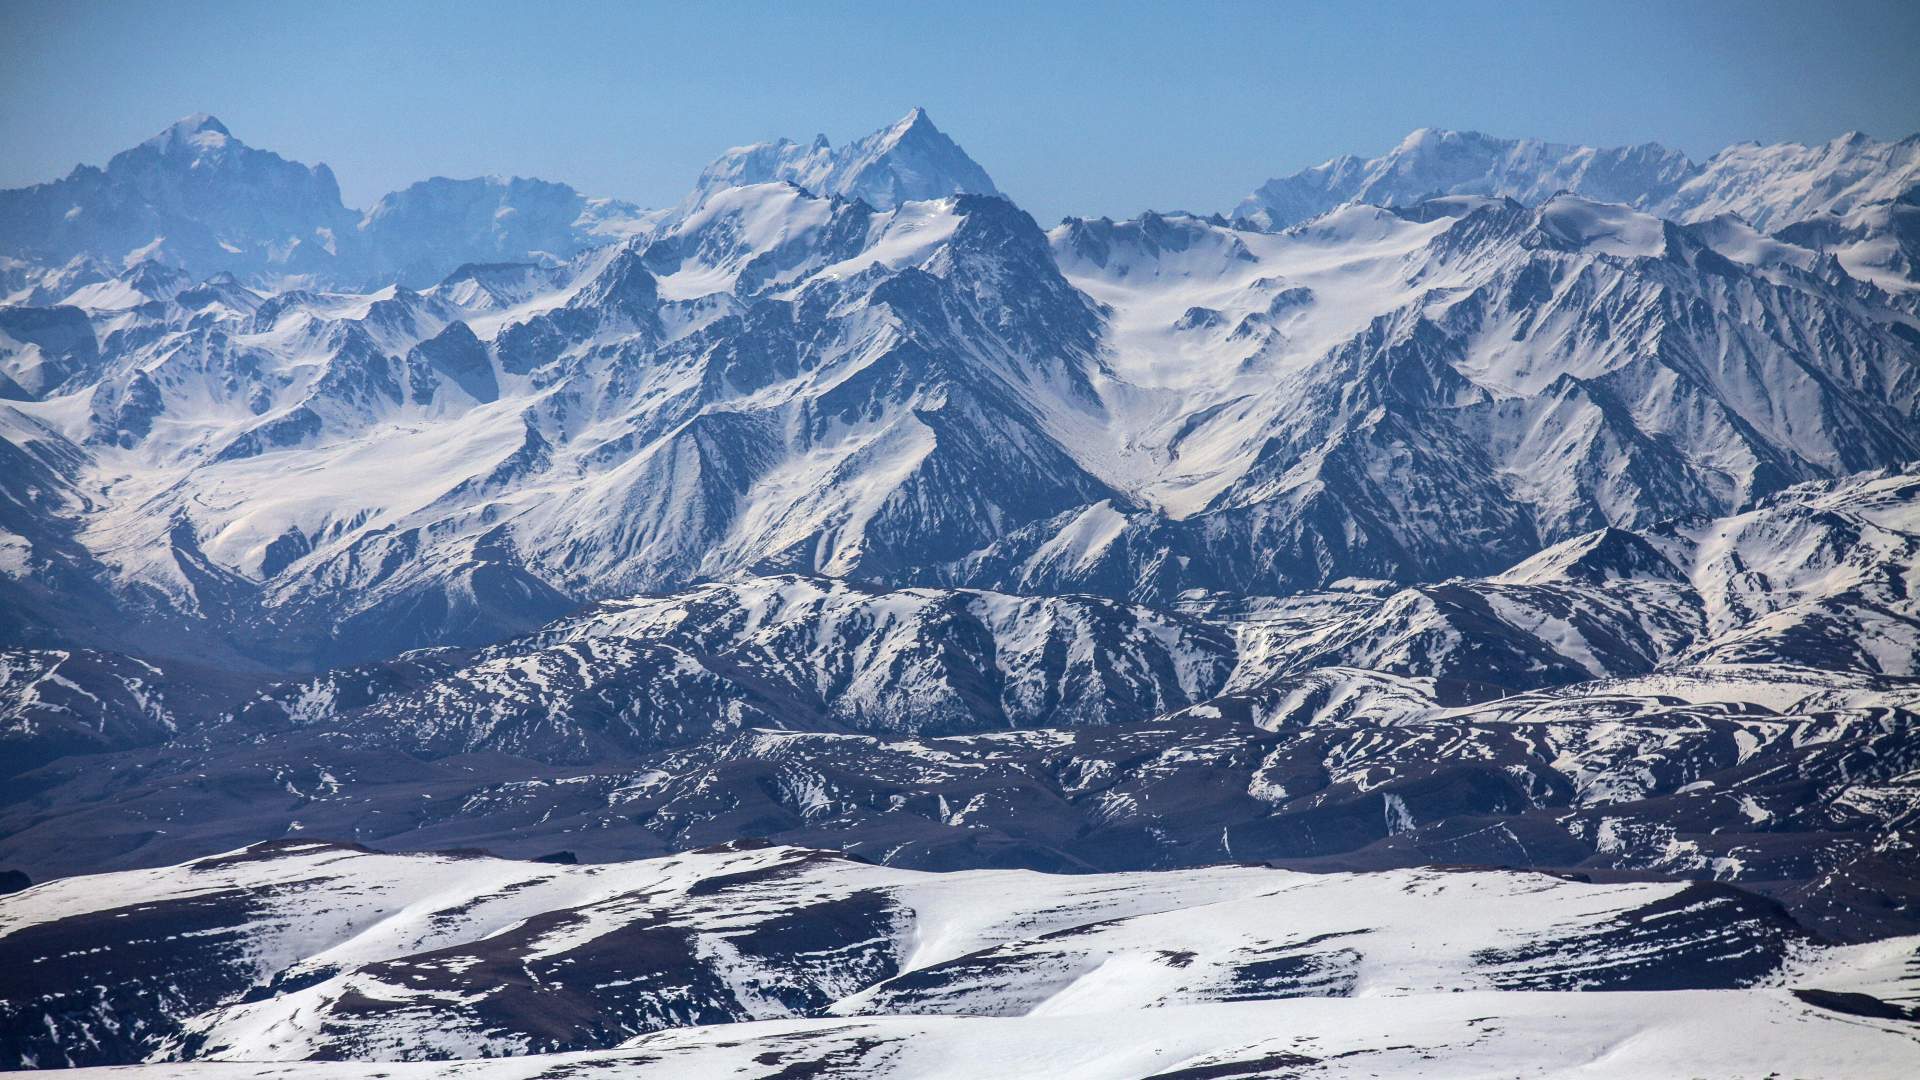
{"x":1768,"y":186}
{"x":154,"y":200}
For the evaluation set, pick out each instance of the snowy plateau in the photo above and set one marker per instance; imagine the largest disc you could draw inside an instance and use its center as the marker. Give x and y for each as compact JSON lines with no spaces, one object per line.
{"x":1455,"y":613}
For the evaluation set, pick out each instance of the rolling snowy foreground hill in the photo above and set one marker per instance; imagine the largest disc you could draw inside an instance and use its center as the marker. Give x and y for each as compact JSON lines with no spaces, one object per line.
{"x":304,"y":951}
{"x":1354,"y":630}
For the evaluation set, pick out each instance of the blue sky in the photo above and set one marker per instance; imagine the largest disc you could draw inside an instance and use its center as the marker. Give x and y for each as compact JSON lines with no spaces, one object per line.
{"x":1098,"y":108}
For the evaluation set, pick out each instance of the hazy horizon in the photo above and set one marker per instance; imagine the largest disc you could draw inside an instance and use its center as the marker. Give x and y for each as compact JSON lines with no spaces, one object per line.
{"x":1113,"y":111}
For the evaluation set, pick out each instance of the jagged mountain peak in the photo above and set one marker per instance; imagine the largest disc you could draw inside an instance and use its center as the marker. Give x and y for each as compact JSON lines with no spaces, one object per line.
{"x":906,"y":161}
{"x":916,"y":118}
{"x":914,"y":160}
{"x":1605,"y":554}
{"x":210,"y":202}
{"x":194,"y":192}
{"x":202,"y":148}
{"x":198,"y":131}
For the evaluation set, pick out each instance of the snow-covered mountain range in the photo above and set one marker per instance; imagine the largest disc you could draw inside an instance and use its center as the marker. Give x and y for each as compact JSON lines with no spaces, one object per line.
{"x":1731,"y":698}
{"x":196,"y":197}
{"x":1769,"y":187}
{"x":1491,"y":503}
{"x":769,"y":378}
